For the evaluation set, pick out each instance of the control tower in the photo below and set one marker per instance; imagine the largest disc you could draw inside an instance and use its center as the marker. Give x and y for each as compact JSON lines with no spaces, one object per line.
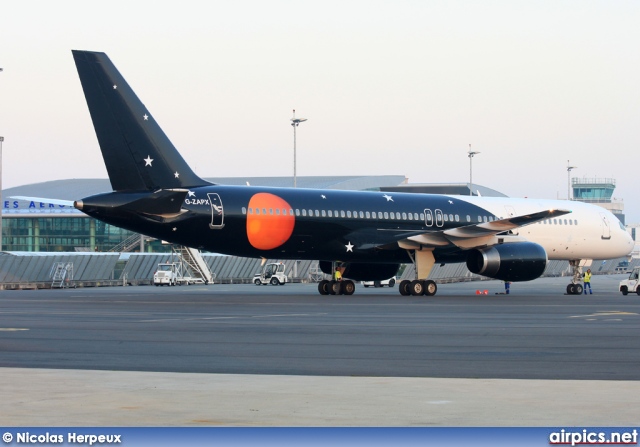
{"x":598,"y":191}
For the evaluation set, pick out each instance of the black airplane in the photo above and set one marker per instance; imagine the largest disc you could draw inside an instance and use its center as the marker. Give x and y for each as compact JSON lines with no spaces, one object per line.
{"x":366,"y":235}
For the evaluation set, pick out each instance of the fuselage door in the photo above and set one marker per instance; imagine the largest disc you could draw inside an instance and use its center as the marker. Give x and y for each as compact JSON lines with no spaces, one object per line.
{"x":439,"y":218}
{"x":606,"y":227}
{"x":428,"y":218}
{"x":217,"y":211}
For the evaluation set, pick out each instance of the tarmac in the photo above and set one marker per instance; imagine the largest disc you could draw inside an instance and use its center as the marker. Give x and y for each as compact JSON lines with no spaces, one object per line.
{"x":62,"y":398}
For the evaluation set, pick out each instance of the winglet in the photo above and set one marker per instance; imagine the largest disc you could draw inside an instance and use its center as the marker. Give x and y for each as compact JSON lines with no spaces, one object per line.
{"x":137,"y":153}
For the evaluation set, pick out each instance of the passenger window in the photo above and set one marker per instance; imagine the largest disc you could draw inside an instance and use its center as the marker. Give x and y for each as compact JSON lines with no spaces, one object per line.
{"x":410,"y":216}
{"x":304,"y":212}
{"x":342,"y":214}
{"x":379,"y":214}
{"x":404,"y":216}
{"x":386,"y":215}
{"x":324,"y":213}
{"x":244,"y":210}
{"x":348,"y":213}
{"x":368,"y":214}
{"x":361,"y":215}
{"x":479,"y":218}
{"x":264,"y":211}
{"x":468,"y":218}
{"x":330,"y":213}
{"x":297,"y":212}
{"x":277,"y":211}
{"x":457,"y":218}
{"x":446,"y":218}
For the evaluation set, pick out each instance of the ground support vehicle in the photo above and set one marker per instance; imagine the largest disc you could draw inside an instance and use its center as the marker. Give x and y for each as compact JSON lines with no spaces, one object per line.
{"x":631,"y":284}
{"x":166,"y":274}
{"x":391,"y":282}
{"x":273,"y":274}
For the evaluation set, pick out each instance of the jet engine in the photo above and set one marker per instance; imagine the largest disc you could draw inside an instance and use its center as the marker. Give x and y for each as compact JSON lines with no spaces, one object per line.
{"x":363,"y":271}
{"x":518,"y":261}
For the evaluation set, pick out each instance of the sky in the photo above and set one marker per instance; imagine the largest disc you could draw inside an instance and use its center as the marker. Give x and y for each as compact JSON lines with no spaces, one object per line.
{"x":388,"y":87}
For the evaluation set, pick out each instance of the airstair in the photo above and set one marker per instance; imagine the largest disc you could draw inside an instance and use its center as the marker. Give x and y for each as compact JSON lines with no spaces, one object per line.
{"x":196,"y":265}
{"x":61,"y":274}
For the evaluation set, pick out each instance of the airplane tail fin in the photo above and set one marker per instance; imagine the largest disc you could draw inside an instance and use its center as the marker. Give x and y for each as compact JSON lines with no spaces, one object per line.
{"x":137,"y":153}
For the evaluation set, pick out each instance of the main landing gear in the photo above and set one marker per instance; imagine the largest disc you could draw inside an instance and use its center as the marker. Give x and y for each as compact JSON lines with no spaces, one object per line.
{"x":575,"y":288}
{"x":344,"y":287}
{"x":418,"y":287}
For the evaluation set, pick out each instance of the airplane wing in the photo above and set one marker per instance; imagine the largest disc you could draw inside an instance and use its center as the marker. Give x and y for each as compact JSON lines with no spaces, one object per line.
{"x":480,"y":234}
{"x":467,"y":237}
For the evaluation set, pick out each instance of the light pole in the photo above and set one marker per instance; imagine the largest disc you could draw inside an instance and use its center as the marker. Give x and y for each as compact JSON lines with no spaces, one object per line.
{"x":295,"y":122}
{"x":471,"y":154}
{"x":569,"y":168}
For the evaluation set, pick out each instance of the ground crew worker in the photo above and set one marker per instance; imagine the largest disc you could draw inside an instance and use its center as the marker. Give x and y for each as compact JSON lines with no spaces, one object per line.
{"x":587,"y":282}
{"x":337,"y":274}
{"x":507,"y":285}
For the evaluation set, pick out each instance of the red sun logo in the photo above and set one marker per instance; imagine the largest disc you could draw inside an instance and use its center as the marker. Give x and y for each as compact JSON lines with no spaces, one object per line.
{"x":269,"y":221}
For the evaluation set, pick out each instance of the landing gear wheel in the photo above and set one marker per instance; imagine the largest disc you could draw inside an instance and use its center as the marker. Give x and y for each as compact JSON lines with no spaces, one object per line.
{"x":348,"y":287}
{"x":571,"y":289}
{"x":578,"y":289}
{"x":323,"y":287}
{"x":430,"y":287}
{"x":416,"y":287}
{"x":404,"y":287}
{"x":335,"y":287}
{"x":274,"y":281}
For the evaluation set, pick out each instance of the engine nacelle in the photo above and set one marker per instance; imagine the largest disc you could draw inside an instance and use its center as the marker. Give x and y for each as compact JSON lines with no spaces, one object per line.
{"x":363,"y":271}
{"x":517,"y":261}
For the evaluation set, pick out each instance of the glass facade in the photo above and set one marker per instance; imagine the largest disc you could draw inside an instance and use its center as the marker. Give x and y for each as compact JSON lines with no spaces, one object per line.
{"x":64,"y":234}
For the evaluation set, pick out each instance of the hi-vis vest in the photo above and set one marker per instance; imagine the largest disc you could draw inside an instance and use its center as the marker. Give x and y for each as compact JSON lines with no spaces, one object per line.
{"x":587,"y":277}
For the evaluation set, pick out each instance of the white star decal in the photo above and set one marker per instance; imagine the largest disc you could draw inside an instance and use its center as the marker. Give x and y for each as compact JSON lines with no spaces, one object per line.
{"x":174,"y":229}
{"x":115,"y":87}
{"x":148,"y":160}
{"x":389,"y":198}
{"x":323,"y":196}
{"x":176,"y":175}
{"x":192,"y":194}
{"x":350,"y":247}
{"x":451,"y":202}
{"x":146,"y":117}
